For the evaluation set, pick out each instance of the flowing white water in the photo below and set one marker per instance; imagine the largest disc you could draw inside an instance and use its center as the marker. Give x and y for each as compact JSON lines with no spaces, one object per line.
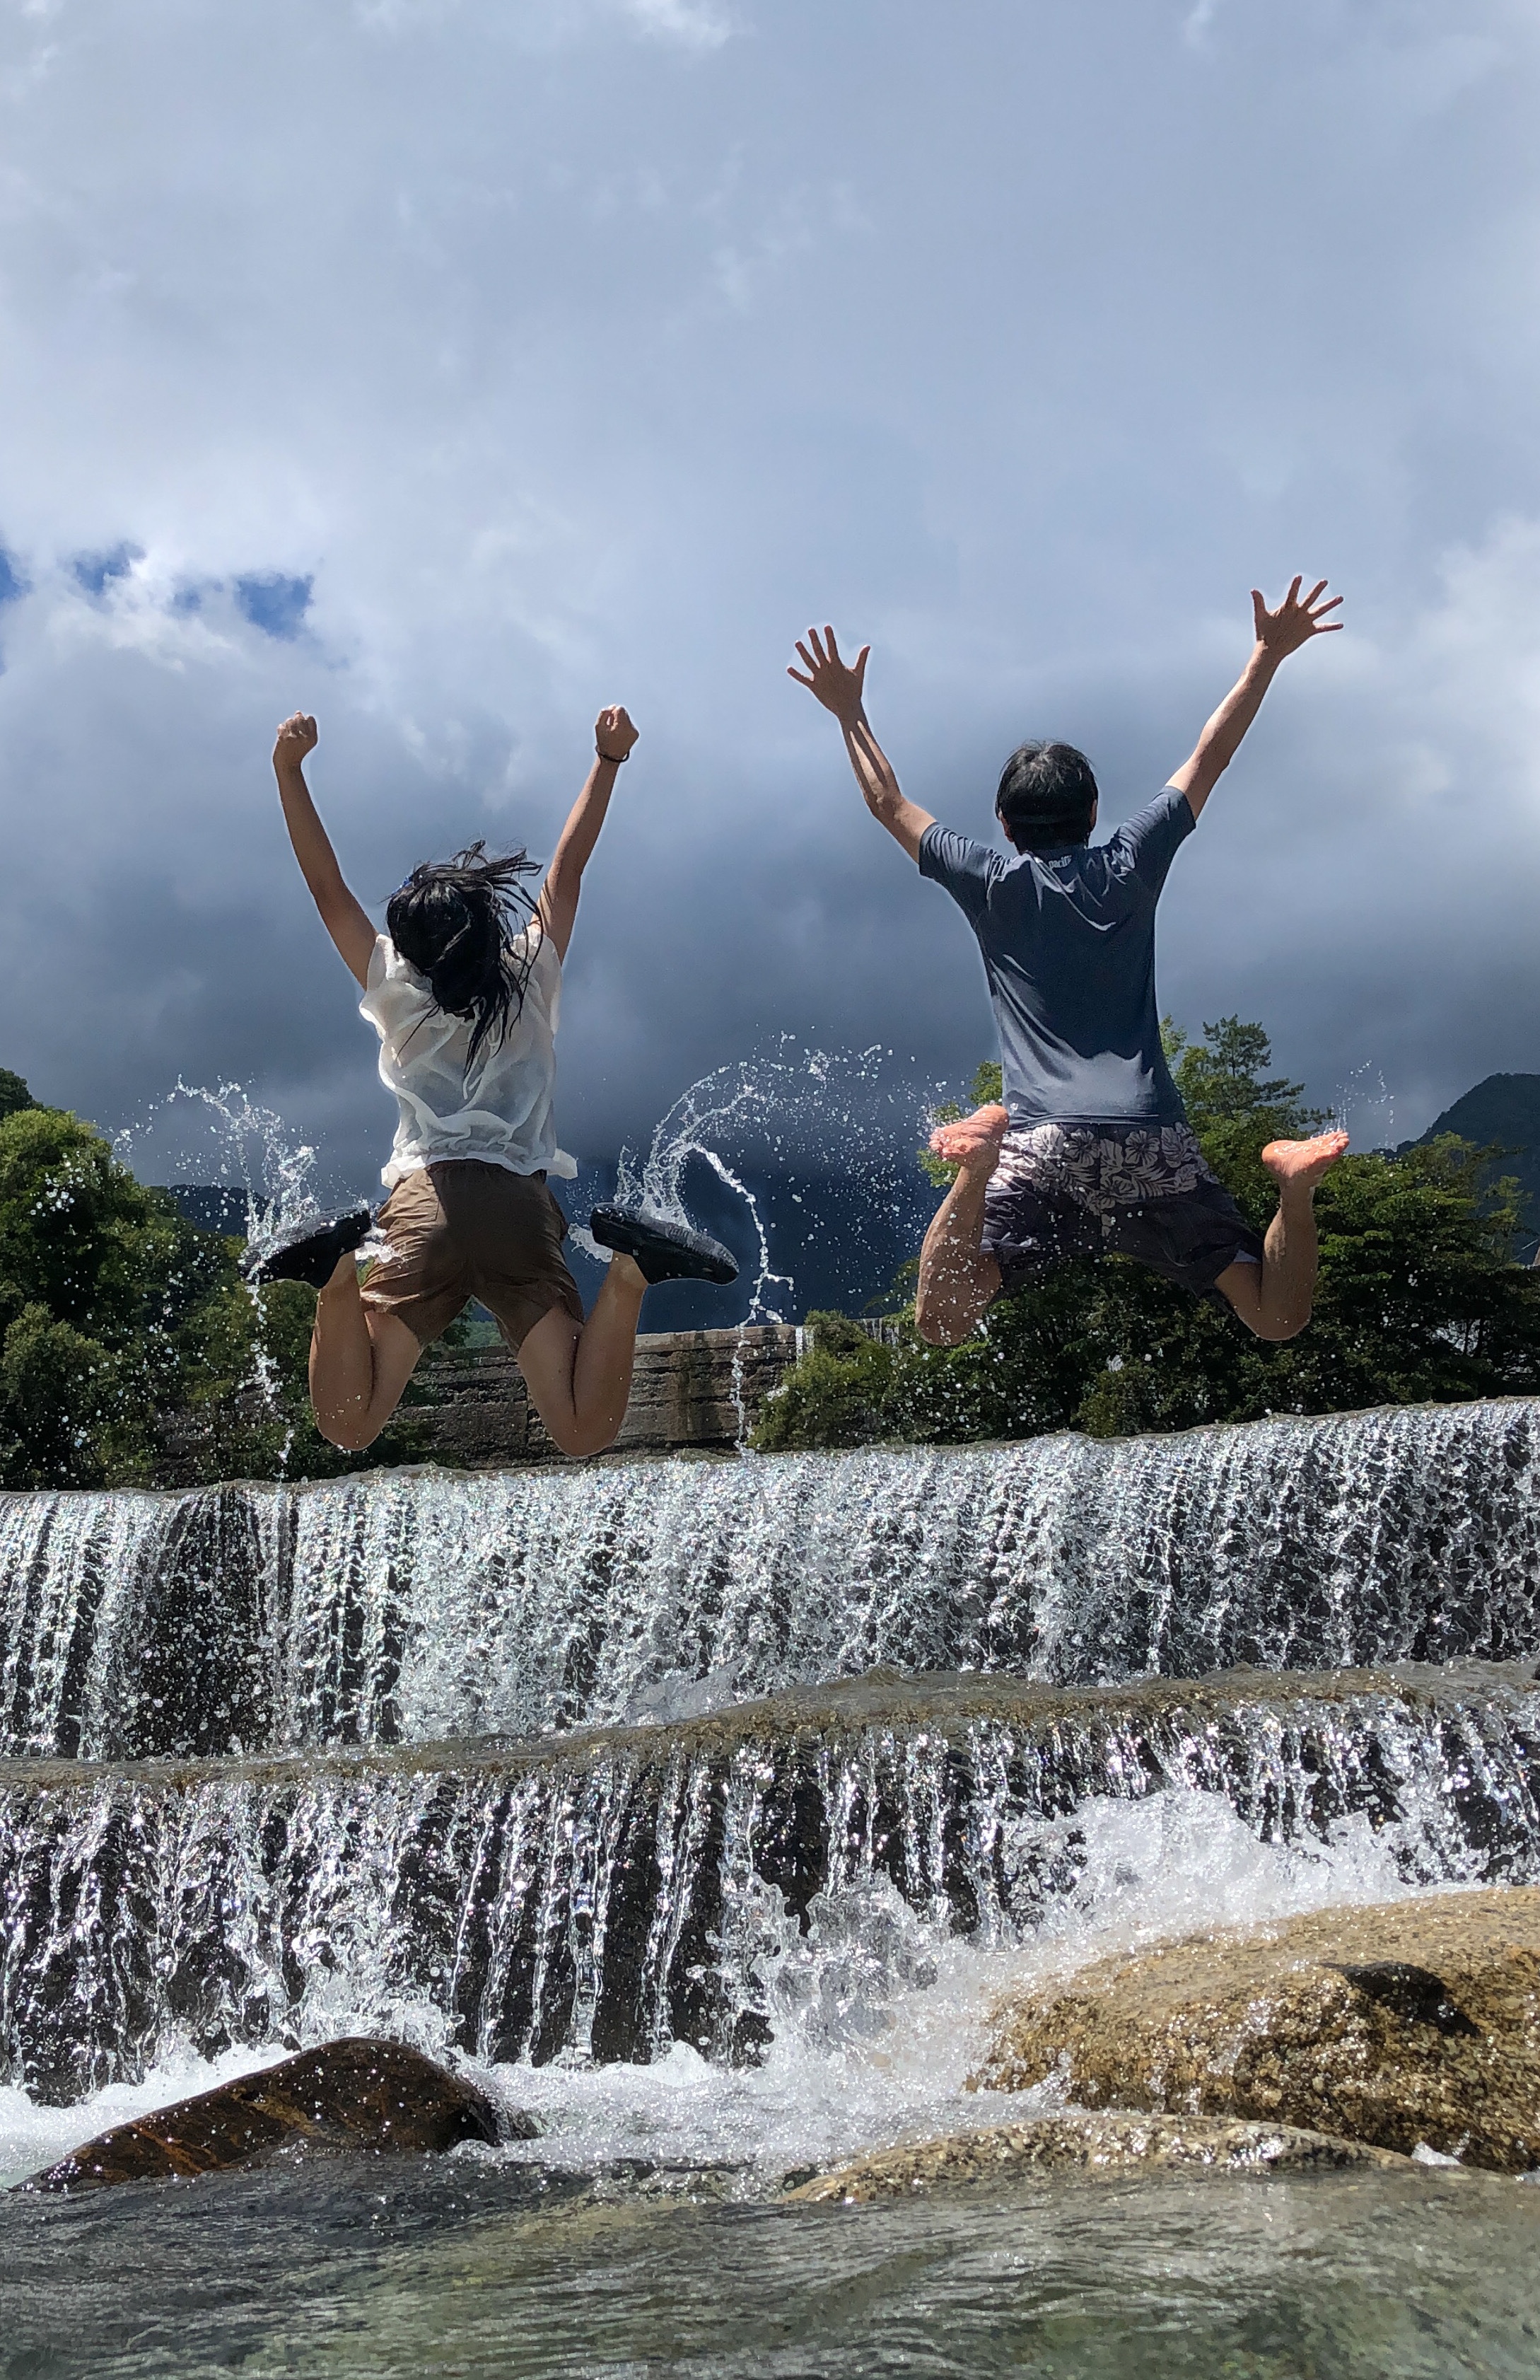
{"x":401,"y":1606}
{"x":878,"y":2011}
{"x":734,"y":1940}
{"x":724,"y":1885}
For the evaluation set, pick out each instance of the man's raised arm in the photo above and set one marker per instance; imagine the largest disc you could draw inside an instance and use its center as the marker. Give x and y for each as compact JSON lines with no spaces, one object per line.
{"x":838,"y":686}
{"x":1279,"y":634}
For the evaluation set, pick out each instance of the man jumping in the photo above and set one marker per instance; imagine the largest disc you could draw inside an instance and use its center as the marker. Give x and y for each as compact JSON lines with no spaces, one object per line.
{"x":1092,"y":1151}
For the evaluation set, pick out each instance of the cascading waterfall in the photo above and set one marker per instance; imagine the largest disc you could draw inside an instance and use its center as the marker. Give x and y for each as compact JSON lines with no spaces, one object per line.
{"x":410,"y":1606}
{"x":607,"y":1896}
{"x":605,"y":1769}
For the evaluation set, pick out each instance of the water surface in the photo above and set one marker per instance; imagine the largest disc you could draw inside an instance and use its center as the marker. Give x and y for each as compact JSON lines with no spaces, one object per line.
{"x":480,"y":2267}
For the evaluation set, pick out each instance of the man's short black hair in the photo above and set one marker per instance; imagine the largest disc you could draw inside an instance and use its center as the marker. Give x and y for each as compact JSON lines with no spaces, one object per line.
{"x":1047,"y":798}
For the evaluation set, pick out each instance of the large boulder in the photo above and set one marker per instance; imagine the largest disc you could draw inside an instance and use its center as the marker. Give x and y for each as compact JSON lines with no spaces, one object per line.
{"x":1415,"y":2021}
{"x":1087,"y":2143}
{"x":365,"y":2097}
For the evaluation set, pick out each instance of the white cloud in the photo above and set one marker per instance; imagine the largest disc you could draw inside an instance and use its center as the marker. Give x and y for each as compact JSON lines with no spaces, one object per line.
{"x":699,"y":24}
{"x":575,"y":351}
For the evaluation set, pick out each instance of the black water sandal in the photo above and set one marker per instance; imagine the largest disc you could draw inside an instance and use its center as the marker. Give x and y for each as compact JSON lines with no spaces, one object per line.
{"x":309,"y":1250}
{"x":664,"y":1251}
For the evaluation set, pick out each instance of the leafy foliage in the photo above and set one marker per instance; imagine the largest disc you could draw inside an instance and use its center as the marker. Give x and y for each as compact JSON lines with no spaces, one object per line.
{"x":14,"y":1093}
{"x":837,"y":1394}
{"x":130,"y":1351}
{"x":987,"y":1087}
{"x":1418,"y":1298}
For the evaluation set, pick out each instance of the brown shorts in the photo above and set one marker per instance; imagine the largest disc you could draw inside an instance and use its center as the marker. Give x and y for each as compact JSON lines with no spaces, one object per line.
{"x":463,"y":1230}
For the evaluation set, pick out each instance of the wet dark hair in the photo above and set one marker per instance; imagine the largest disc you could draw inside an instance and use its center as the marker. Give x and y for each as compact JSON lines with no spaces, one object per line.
{"x":455,"y":920}
{"x":1047,"y":798}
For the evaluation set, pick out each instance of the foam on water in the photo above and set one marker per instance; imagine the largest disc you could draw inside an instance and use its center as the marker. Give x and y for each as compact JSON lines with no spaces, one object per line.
{"x":880,"y":2014}
{"x":409,"y":1606}
{"x":718,"y":1881}
{"x":877,"y":2010}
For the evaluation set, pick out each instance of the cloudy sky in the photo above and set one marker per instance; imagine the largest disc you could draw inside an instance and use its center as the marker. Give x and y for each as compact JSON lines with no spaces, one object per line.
{"x":450,"y":369}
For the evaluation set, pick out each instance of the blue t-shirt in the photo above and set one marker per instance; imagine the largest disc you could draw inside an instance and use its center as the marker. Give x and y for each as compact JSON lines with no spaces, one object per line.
{"x":1068,"y":939}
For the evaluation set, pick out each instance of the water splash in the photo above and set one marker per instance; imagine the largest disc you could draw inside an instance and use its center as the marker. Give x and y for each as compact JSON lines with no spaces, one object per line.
{"x":410,"y":1606}
{"x":789,"y":1879}
{"x":1364,"y":1108}
{"x":221,"y":1134}
{"x":842,"y":1110}
{"x":196,"y":1131}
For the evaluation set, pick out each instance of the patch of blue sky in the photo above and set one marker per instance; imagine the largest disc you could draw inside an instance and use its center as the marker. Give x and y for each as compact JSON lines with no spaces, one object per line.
{"x":13,"y":584}
{"x":274,"y":604}
{"x":94,"y":570}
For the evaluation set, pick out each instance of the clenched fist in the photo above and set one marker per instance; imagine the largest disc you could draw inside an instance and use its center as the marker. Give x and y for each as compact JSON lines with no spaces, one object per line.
{"x":613,"y":733}
{"x":297,"y":736}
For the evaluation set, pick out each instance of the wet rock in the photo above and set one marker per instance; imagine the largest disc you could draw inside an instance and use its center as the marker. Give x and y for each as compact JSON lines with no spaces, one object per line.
{"x":370,"y":2098}
{"x":1097,"y":2143}
{"x":532,"y":1882}
{"x":1415,"y":2021}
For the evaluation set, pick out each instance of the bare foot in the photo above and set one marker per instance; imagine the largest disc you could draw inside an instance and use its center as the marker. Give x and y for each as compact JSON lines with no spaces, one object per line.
{"x":972,"y":1138}
{"x":1299,"y":1164}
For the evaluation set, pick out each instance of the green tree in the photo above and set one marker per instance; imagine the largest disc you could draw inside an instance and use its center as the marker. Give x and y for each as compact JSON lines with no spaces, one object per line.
{"x":130,"y":1350}
{"x":96,"y":1273}
{"x":1235,"y":1107}
{"x":987,"y":1087}
{"x":14,"y":1094}
{"x":1418,"y":1299}
{"x":837,"y":1394}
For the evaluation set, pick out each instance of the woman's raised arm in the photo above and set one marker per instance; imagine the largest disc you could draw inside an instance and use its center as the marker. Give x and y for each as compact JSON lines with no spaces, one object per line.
{"x":613,"y":735}
{"x":343,"y":917}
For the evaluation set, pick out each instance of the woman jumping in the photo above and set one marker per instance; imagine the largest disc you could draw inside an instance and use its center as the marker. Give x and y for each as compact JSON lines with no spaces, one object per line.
{"x":464,"y":988}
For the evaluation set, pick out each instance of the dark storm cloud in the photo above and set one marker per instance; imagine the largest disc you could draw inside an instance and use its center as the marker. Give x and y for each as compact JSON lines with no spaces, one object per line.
{"x":449,"y":370}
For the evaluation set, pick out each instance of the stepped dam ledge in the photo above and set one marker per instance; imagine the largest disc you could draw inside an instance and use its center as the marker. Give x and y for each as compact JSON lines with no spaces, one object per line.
{"x":408,"y":1606}
{"x":606,"y":1894}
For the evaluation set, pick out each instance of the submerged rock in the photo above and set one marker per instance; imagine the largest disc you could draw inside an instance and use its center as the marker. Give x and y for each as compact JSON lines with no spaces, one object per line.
{"x":1097,"y":2143}
{"x":370,"y":2098}
{"x":1413,"y":2022}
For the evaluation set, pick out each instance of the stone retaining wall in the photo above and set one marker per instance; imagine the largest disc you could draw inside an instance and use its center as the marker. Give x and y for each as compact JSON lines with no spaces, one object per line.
{"x":699,"y":1389}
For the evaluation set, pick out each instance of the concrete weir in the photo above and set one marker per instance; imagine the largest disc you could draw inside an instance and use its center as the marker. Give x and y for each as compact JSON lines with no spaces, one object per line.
{"x":412,"y":1605}
{"x":603,"y":1894}
{"x":702,"y":1389}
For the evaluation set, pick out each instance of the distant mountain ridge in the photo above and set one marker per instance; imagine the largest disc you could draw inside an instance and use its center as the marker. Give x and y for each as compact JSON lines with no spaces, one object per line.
{"x":1504,"y":1110}
{"x":839,"y":1237}
{"x":842,"y":1237}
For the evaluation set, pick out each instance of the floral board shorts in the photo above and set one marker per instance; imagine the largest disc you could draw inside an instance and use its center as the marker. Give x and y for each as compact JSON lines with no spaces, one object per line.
{"x":460,"y":1229}
{"x":1063,"y":1190}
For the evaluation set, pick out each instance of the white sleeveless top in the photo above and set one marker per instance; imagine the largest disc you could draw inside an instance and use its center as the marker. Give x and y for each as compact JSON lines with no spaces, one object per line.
{"x":498,"y":1112}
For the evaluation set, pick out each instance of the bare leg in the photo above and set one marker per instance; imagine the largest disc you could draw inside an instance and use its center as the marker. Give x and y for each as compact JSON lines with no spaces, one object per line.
{"x":1274,"y":1297}
{"x":579,"y":1374}
{"x":957,"y":1280}
{"x":360,"y":1360}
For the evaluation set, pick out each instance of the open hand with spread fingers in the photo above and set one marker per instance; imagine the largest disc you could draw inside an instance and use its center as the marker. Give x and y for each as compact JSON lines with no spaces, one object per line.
{"x":837,"y":684}
{"x":1297,"y":620}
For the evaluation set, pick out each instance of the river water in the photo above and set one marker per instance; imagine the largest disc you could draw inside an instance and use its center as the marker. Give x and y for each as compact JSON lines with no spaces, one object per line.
{"x":702,"y":1810}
